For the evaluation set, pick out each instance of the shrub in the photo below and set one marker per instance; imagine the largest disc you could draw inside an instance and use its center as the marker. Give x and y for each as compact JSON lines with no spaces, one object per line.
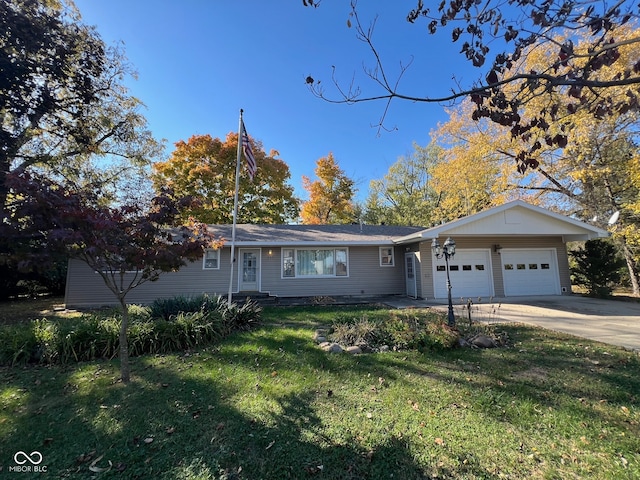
{"x":360,"y":331}
{"x":401,"y":330}
{"x":240,"y":318}
{"x":18,"y":344}
{"x":166,"y":308}
{"x":205,"y":320}
{"x":597,"y":267}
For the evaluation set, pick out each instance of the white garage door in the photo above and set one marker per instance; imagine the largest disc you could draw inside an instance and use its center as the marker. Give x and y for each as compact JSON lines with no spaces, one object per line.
{"x":530,"y":272}
{"x":470,"y":273}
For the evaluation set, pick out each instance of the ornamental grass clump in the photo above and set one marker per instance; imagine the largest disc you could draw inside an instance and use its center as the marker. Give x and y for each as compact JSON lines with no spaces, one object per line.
{"x":159,"y":329}
{"x":398,"y":330}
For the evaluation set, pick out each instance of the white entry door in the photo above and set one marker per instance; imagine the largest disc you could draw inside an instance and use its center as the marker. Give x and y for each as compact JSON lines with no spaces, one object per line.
{"x":410,"y":274}
{"x":249,"y":269}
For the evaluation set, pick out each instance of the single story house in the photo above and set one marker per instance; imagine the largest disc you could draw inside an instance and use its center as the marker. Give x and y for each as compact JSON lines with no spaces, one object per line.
{"x":514,"y":249}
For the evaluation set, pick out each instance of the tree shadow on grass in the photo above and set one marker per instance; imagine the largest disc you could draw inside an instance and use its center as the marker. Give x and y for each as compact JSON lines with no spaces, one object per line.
{"x":179,"y":422}
{"x":237,"y":410}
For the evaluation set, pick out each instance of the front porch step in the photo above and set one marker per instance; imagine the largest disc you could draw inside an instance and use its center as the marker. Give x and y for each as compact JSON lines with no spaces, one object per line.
{"x":258,"y":297}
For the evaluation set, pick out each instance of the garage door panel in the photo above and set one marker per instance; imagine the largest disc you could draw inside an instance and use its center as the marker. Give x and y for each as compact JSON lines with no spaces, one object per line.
{"x":530,"y":272}
{"x":470,"y":273}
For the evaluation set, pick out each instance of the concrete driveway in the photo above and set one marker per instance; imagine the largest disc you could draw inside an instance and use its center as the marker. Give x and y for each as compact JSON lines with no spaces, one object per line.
{"x":610,"y":321}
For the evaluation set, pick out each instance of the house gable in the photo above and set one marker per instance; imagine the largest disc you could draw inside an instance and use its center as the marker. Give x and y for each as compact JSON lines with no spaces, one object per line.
{"x":515,"y":218}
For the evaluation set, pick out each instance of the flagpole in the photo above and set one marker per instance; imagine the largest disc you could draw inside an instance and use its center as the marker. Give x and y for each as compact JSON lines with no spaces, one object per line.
{"x":235,"y":208}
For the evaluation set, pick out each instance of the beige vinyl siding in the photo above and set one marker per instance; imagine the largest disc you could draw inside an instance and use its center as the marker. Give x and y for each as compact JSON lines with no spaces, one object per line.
{"x":366,"y":276}
{"x":496,"y":265}
{"x":85,"y":287}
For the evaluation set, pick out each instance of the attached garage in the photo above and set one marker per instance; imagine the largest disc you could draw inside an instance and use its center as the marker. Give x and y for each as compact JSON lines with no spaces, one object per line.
{"x":515,"y":249}
{"x":530,"y":272}
{"x":470,"y":273}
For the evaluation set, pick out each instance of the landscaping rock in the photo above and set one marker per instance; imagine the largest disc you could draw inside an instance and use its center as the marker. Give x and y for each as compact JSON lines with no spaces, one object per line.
{"x":324,"y":345}
{"x":321,"y":339}
{"x":331,"y":347}
{"x":482,"y":341}
{"x":365,"y":348}
{"x":353,"y":350}
{"x":384,"y":348}
{"x":320,"y":333}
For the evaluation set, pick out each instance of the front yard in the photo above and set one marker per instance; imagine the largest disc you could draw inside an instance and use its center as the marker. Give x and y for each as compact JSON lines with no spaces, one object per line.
{"x":270,"y":404}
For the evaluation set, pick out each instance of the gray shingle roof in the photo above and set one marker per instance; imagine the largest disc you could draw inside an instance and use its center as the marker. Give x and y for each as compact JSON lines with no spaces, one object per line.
{"x":318,"y":234}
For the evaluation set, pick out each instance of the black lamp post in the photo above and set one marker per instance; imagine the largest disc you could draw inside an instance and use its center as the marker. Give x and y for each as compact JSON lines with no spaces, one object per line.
{"x":447,"y":251}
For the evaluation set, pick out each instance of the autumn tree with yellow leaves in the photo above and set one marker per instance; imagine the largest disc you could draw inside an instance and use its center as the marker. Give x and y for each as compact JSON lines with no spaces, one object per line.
{"x":330,"y":196}
{"x":583,"y":41}
{"x":581,"y":164}
{"x":204,"y":168}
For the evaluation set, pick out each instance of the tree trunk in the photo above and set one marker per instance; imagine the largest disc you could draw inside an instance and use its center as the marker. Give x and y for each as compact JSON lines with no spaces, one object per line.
{"x":633,"y":269}
{"x":125,"y":372}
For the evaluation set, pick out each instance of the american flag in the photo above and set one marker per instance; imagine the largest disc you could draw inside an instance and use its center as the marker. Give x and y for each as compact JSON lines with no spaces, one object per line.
{"x":252,"y":166}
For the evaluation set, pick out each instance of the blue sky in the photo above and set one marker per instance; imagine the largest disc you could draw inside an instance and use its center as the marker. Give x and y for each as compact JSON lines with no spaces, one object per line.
{"x":199,"y":62}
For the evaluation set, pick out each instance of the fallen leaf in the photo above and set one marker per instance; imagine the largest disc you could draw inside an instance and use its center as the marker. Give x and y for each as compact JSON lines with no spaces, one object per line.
{"x":439,"y":441}
{"x":270,"y":444}
{"x":148,"y":440}
{"x":274,"y":373}
{"x":369,"y":415}
{"x":85,"y":457}
{"x":95,"y":469}
{"x":170,"y":430}
{"x":625,"y":410}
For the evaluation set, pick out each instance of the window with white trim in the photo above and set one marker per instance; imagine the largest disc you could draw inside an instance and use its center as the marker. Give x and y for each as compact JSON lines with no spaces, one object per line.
{"x":321,"y":262}
{"x":288,"y":262}
{"x":386,"y":257}
{"x":211,"y":260}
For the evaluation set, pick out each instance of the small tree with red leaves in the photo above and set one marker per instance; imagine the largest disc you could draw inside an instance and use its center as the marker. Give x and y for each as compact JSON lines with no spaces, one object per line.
{"x":127,"y":245}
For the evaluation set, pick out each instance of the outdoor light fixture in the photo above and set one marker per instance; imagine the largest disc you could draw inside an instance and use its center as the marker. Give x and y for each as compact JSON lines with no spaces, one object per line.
{"x":447,"y":251}
{"x":497,"y":248}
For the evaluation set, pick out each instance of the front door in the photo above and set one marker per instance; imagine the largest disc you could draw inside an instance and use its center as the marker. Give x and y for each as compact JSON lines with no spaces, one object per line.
{"x":249,"y":270}
{"x":410,"y":274}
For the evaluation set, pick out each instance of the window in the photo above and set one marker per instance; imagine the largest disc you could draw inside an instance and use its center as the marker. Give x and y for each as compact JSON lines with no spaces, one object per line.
{"x":211,"y":260}
{"x":521,"y":266}
{"x":479,"y":267}
{"x":440,"y":268}
{"x":508,"y":266}
{"x":386,"y":257}
{"x":533,"y":266}
{"x":288,"y":263}
{"x":315,"y":263}
{"x":466,"y":268}
{"x":544,"y":266}
{"x":454,"y":268}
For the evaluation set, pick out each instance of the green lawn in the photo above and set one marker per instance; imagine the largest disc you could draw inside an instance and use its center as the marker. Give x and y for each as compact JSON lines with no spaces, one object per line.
{"x":270,"y":404}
